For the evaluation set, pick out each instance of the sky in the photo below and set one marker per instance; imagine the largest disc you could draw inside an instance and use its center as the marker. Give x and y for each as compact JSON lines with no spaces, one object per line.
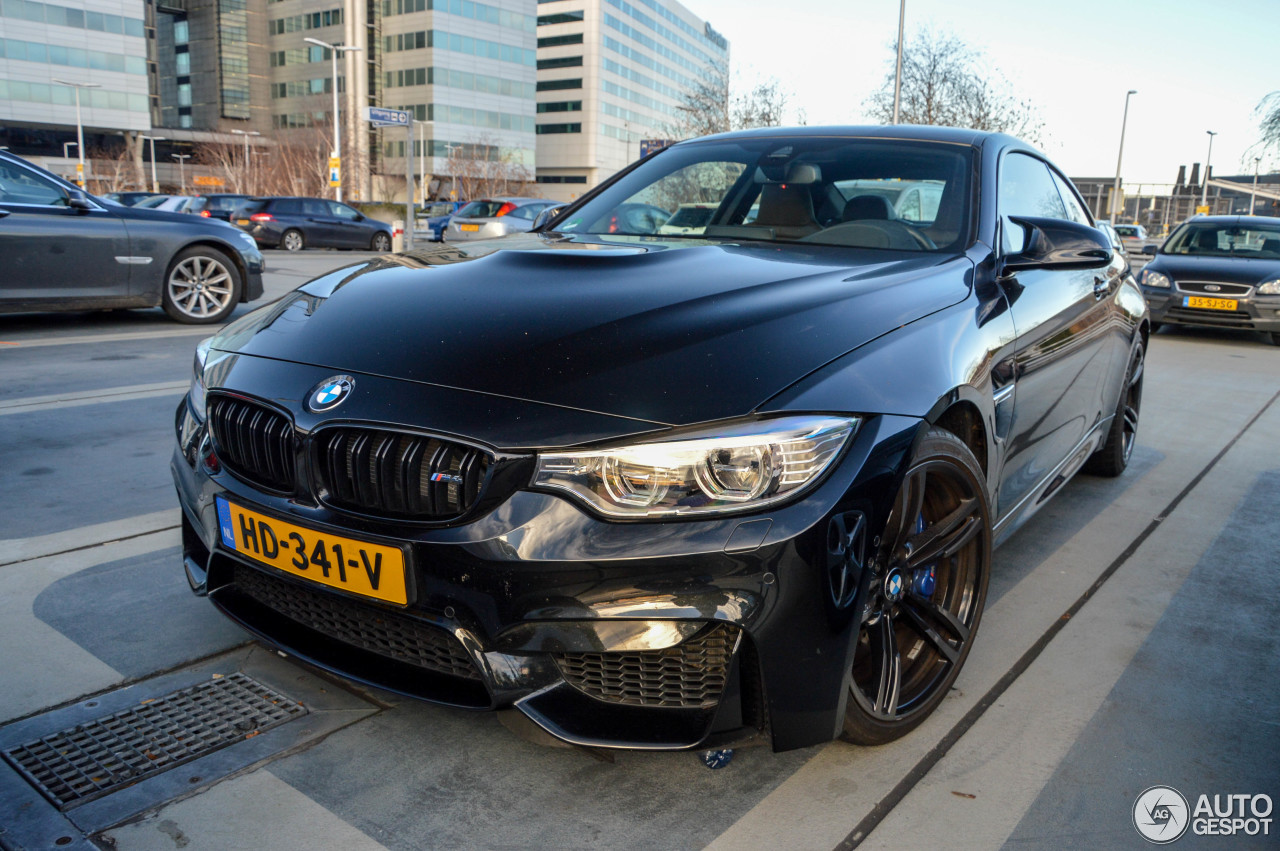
{"x":1196,"y":66}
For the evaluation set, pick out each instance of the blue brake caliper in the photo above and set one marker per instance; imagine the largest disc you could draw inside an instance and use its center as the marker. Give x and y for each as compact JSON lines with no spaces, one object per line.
{"x":923,"y":579}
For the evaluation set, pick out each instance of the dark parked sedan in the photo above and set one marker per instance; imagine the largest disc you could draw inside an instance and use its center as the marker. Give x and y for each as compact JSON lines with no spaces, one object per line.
{"x":297,"y":223}
{"x":61,"y":249}
{"x":1219,"y":272}
{"x":658,"y":491}
{"x":218,"y":206}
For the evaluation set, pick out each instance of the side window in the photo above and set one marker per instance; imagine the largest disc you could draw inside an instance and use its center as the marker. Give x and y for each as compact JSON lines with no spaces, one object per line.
{"x":1026,"y":189}
{"x":314,"y":207}
{"x":19,"y":186}
{"x":342,"y":211}
{"x":287,"y":207}
{"x":528,"y":211}
{"x":1075,"y":212}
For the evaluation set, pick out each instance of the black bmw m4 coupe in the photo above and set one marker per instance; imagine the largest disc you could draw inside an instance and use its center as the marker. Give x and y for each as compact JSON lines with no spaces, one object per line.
{"x":674,"y":490}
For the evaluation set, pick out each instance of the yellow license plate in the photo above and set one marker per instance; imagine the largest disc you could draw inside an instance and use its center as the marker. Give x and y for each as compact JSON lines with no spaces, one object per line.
{"x":360,"y":567}
{"x":469,"y":228}
{"x":1209,"y":303}
{"x":242,"y":221}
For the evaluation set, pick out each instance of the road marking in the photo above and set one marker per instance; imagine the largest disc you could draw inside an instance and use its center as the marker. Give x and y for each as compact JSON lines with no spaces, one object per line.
{"x":17,"y":550}
{"x":30,"y":404}
{"x":38,"y":342}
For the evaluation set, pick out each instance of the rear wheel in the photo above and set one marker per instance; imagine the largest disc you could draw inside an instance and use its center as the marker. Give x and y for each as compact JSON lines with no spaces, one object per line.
{"x":292,"y":241}
{"x":202,"y":287}
{"x":1112,"y":458}
{"x":381,"y":242}
{"x":924,"y":593}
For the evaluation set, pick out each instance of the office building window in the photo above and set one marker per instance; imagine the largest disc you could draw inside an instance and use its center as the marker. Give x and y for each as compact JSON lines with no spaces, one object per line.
{"x":559,"y":128}
{"x":560,"y":62}
{"x":559,"y":85}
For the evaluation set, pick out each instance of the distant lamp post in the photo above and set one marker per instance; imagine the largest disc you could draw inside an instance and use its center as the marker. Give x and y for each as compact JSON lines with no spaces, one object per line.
{"x":1115,"y":188}
{"x":335,"y":49}
{"x":1204,"y":186}
{"x":422,"y":158}
{"x":155,"y":184}
{"x":1254,"y":194}
{"x":897,"y":73}
{"x":182,"y":170}
{"x":246,"y":134}
{"x":79,"y":125}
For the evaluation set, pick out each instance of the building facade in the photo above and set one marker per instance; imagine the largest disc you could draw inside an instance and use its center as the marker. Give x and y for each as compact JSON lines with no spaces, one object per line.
{"x":611,"y":73}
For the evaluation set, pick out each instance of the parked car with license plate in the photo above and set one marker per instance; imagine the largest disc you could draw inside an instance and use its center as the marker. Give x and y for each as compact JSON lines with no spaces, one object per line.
{"x":297,"y":223}
{"x":487,"y":218}
{"x":1219,"y":272}
{"x":219,"y":205}
{"x":63,"y":249}
{"x":666,"y":491}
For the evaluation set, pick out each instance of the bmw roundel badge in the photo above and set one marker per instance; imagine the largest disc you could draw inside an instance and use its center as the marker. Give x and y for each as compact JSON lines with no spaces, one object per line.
{"x":330,"y":393}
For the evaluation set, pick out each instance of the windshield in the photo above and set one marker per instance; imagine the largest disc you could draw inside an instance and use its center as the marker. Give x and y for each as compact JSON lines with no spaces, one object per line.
{"x":1255,"y":240}
{"x":864,"y":193}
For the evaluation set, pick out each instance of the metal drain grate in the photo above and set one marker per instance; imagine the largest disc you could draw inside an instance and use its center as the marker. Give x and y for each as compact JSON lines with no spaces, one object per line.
{"x":95,"y":758}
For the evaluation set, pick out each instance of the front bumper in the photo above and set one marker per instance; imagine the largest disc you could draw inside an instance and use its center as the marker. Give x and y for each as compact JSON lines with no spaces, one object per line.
{"x":1253,"y":312}
{"x":632,"y":635}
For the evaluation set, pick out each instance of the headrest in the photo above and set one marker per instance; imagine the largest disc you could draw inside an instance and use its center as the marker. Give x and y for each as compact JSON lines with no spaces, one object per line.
{"x":867,"y":207}
{"x":799,"y":173}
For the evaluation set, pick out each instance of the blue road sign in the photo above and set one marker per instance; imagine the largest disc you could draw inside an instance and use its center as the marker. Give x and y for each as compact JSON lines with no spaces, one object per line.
{"x":380,"y":117}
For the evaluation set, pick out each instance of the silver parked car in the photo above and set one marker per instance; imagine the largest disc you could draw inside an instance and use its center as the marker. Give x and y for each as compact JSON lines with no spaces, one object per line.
{"x":488,"y":218}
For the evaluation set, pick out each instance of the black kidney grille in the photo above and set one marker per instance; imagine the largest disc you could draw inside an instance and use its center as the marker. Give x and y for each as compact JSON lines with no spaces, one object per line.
{"x":385,"y":633}
{"x":689,"y":675}
{"x":401,"y":475}
{"x":253,"y":441}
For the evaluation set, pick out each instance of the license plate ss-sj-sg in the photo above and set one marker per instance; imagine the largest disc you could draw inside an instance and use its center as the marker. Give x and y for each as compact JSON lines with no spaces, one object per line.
{"x":359,"y":567}
{"x":469,"y":228}
{"x":1205,"y":303}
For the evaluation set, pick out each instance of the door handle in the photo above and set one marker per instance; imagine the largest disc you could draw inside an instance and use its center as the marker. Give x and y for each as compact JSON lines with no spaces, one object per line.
{"x":3,"y":213}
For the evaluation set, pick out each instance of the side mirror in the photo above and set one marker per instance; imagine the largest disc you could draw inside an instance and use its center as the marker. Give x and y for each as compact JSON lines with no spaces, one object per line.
{"x":546,"y":216}
{"x":1149,"y":249}
{"x":78,"y":200}
{"x":359,"y":217}
{"x":1058,"y":244}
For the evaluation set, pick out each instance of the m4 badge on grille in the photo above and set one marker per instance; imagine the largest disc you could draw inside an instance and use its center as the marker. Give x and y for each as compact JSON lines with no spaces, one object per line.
{"x":330,"y":393}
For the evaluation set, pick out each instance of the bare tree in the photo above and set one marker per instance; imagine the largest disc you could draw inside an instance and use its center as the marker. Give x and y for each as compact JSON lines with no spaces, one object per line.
{"x":113,"y":170}
{"x":481,"y":170}
{"x":712,"y":105}
{"x":1268,"y":111}
{"x":292,"y":162}
{"x":944,"y":82}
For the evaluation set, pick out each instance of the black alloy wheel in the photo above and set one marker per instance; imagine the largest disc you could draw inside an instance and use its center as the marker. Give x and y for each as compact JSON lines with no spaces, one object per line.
{"x":1113,"y":457}
{"x":923,"y":593}
{"x":381,"y":242}
{"x":292,"y":240}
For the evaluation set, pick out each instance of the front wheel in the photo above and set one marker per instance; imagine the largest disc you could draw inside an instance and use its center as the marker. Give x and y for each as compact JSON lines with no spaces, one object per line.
{"x":924,"y":593}
{"x":1113,"y":457}
{"x":202,"y":287}
{"x":381,"y":242}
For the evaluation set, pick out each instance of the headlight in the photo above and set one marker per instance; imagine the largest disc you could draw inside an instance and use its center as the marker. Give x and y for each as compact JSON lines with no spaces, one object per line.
{"x":1155,"y":279}
{"x":739,"y":468}
{"x":198,"y":389}
{"x":1270,"y":288}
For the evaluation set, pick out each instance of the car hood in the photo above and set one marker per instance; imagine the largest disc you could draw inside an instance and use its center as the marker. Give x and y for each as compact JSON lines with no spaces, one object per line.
{"x":665,"y":331}
{"x":1231,"y":270}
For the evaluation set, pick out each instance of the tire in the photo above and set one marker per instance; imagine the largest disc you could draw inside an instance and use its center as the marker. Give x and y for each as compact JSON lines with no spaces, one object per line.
{"x":381,"y":242}
{"x":923,"y":593}
{"x":292,"y":240}
{"x":1113,"y":457}
{"x":1275,"y":338}
{"x":202,"y":286}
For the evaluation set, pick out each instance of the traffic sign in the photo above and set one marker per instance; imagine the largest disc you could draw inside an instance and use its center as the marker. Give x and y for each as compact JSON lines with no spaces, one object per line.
{"x":1204,"y":209}
{"x":335,"y":171}
{"x":650,"y":146}
{"x":380,"y":117}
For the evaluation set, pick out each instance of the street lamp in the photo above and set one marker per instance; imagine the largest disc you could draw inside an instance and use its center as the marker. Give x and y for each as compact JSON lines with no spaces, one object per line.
{"x":1254,"y":194}
{"x":897,"y":72}
{"x":155,"y":184}
{"x":79,"y":125}
{"x":1204,"y":187}
{"x":334,"y":50}
{"x":182,"y":169}
{"x":1115,"y":189}
{"x":246,"y":134}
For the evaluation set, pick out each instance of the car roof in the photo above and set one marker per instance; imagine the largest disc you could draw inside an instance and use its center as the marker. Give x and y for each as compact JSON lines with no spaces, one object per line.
{"x":1234,"y":220}
{"x":922,"y":132}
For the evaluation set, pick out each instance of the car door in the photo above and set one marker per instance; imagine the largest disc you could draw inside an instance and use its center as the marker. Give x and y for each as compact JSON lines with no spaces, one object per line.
{"x":349,"y":226}
{"x":50,"y":251}
{"x":1063,"y":352}
{"x":323,"y":228}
